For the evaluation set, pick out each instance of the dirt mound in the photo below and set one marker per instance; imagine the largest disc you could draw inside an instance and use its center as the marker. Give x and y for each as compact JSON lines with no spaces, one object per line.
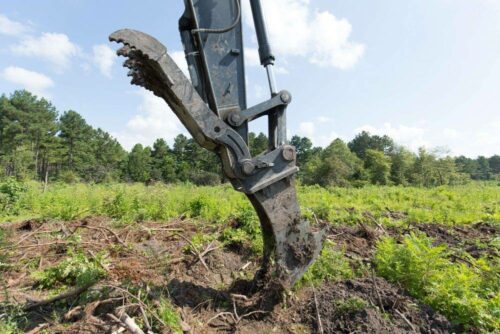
{"x":356,"y":240}
{"x":369,"y":305}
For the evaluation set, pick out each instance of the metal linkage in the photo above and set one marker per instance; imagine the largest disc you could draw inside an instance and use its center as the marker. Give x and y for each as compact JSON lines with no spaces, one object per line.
{"x":238,"y":118}
{"x":212,"y":106}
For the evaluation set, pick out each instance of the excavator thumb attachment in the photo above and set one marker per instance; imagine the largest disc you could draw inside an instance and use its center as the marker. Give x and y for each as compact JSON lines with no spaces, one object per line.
{"x":290,"y":246}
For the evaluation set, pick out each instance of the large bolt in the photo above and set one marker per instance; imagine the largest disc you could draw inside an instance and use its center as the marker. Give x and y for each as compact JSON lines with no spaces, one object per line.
{"x":288,"y":153}
{"x":235,"y":119}
{"x":286,"y":97}
{"x":247,"y":167}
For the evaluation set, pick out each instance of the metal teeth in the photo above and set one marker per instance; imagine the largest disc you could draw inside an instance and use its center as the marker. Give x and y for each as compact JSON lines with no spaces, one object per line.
{"x":133,"y":72}
{"x":132,"y":63}
{"x":136,"y":62}
{"x":139,"y":81}
{"x":124,"y":50}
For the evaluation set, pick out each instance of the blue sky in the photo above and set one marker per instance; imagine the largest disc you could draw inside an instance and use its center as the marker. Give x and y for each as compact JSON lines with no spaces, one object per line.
{"x":426,"y":72}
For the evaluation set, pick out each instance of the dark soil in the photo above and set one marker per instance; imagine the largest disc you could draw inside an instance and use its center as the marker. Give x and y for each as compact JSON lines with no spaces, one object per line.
{"x":154,"y":258}
{"x":369,"y":305}
{"x":475,"y":239}
{"x":359,"y":241}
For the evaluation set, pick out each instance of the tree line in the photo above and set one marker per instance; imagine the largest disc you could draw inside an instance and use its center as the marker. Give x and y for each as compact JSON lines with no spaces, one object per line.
{"x":36,"y":142}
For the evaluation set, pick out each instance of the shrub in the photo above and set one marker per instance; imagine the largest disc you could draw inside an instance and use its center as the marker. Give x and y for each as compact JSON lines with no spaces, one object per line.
{"x":206,"y":207}
{"x":10,"y":193}
{"x":69,"y":177}
{"x":244,"y":232}
{"x":7,"y":327}
{"x":466,"y":295}
{"x":76,"y":269}
{"x":349,"y":305}
{"x":330,"y":266}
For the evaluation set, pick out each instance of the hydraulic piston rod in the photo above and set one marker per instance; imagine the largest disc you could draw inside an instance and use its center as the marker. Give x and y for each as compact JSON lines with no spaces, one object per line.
{"x":277,"y":121}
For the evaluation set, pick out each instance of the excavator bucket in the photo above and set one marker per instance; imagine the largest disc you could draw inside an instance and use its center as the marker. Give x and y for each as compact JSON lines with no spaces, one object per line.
{"x":212,"y":106}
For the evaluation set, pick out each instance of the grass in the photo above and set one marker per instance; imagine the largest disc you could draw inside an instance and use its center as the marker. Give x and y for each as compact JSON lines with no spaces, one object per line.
{"x":136,"y":202}
{"x":170,"y":317}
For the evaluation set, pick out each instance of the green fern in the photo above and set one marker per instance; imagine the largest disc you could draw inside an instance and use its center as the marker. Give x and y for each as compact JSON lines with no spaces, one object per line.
{"x":467,"y":295}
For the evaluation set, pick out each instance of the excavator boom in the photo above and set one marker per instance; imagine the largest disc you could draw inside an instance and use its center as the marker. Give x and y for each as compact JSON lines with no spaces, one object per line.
{"x":213,"y":108}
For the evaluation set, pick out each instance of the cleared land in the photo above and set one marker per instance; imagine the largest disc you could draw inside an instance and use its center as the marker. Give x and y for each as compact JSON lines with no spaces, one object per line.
{"x":77,"y":259}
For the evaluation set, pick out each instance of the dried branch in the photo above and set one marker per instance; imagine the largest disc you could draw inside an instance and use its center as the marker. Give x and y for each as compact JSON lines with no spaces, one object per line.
{"x":39,"y":328}
{"x":100,"y":228}
{"x":146,"y":307}
{"x":196,"y":252}
{"x":130,"y":323}
{"x":405,"y":319}
{"x":318,"y":316}
{"x":65,"y":295}
{"x":375,"y":287}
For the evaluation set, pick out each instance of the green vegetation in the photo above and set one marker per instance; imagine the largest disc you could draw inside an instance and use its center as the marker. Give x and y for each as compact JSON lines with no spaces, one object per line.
{"x":465,"y":290}
{"x":37,"y":142}
{"x":467,"y":295}
{"x":10,"y":193}
{"x":330,"y":266}
{"x":244,"y":232}
{"x":169,"y":316}
{"x":349,"y":305}
{"x":8,"y":327}
{"x":76,"y":269}
{"x":3,"y":255}
{"x":137,"y":202}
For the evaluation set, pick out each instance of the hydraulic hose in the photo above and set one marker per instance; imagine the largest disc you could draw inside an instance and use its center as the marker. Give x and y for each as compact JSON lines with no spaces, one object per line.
{"x":222,"y":30}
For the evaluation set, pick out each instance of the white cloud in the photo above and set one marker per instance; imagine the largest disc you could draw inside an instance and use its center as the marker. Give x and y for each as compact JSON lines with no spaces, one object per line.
{"x":411,"y":137}
{"x":330,"y":38}
{"x":450,"y":133}
{"x":34,"y":82}
{"x":154,"y":120}
{"x":53,"y":47}
{"x":316,"y":35}
{"x":307,"y":129}
{"x":104,"y":58}
{"x":180,"y":58}
{"x":485,"y":141}
{"x":324,"y":119}
{"x":318,"y":131}
{"x":281,"y":70}
{"x":252,"y":57}
{"x":12,"y":28}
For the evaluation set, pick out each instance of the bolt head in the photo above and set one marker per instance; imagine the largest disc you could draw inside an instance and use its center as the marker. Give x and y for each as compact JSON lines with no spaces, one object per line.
{"x":288,"y":153}
{"x":285,"y":97}
{"x":248,"y":167}
{"x":235,"y":118}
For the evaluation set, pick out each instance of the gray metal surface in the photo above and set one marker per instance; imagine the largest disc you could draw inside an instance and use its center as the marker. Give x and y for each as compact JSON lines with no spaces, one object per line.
{"x":217,"y":59}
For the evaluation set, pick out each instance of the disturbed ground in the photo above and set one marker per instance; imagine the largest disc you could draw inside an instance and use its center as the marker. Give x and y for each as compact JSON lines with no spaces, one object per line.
{"x":149,"y":262}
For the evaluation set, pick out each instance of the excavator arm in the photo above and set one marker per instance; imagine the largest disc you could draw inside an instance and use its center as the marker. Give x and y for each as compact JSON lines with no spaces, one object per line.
{"x":212,"y":106}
